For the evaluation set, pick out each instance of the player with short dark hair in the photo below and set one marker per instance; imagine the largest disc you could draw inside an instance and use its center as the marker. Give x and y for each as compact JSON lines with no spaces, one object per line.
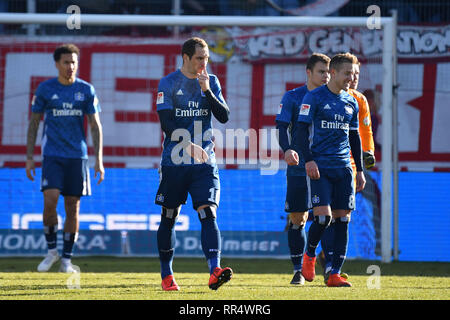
{"x":186,"y":101}
{"x":64,"y":101}
{"x":296,"y":203}
{"x":368,"y":148}
{"x":327,"y":131}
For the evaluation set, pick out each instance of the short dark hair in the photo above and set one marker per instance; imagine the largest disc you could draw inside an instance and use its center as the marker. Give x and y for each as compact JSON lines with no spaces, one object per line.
{"x":341,"y":58}
{"x":190,"y":44}
{"x":63,"y":49}
{"x":316,"y":57}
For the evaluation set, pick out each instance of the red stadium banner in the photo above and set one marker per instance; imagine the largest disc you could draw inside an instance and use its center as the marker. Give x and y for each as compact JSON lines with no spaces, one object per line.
{"x":255,"y":67}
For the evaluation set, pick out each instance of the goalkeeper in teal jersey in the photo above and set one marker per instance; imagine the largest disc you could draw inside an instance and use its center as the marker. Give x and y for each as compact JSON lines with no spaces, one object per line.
{"x":297,"y":192}
{"x":186,"y":101}
{"x":64,"y":101}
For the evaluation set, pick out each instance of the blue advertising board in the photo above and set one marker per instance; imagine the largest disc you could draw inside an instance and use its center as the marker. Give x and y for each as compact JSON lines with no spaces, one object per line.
{"x":251,"y":207}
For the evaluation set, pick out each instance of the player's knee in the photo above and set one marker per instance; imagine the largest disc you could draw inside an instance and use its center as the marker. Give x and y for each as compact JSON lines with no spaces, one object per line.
{"x":207,"y":212}
{"x":323,"y":220}
{"x":171,"y":214}
{"x":298,"y":218}
{"x":345,"y":219}
{"x":50,"y":202}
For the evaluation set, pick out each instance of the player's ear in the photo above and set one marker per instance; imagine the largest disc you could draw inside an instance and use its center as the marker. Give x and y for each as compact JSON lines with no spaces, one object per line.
{"x":308,"y":72}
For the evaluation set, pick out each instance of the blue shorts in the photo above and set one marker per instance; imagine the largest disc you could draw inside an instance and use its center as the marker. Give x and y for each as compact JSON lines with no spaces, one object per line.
{"x":335,"y":188}
{"x":200,"y":181}
{"x":297,"y":196}
{"x":69,"y":176}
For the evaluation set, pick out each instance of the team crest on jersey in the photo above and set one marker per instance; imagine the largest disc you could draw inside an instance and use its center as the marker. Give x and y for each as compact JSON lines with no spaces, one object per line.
{"x":160,"y":98}
{"x":348,"y":109}
{"x":279,"y":109}
{"x":316,"y":199}
{"x":79,"y":96}
{"x":366,"y":121}
{"x":304,"y":109}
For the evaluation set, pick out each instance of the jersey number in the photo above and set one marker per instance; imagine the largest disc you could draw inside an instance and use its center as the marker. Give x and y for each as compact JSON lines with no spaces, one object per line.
{"x":351,"y":202}
{"x":212,"y":197}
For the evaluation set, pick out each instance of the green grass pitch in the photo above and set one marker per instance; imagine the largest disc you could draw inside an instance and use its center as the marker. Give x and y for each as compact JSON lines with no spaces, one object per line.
{"x":111,"y":278}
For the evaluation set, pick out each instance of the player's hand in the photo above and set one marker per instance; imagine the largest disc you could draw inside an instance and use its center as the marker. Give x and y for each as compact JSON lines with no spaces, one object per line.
{"x":30,"y":168}
{"x":197,"y":153}
{"x":291,"y":157}
{"x":99,"y":171}
{"x":360,"y":181}
{"x":369,"y":159}
{"x":203,"y":80}
{"x":312,"y":170}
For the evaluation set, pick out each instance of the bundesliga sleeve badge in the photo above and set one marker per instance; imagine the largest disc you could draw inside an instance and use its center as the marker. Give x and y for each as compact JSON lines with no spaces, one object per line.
{"x":304,"y":109}
{"x":160,"y":97}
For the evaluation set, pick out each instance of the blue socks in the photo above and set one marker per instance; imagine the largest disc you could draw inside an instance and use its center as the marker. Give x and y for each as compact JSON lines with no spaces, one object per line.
{"x":166,"y":245}
{"x":210,"y":238}
{"x":327,"y":241}
{"x":340,"y":244}
{"x":316,"y":229}
{"x":69,"y":240}
{"x":50,"y":236}
{"x":297,"y":242}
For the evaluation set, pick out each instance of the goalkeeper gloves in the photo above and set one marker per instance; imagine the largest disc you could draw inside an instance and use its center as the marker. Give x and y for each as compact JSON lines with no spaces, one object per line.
{"x":369,"y":159}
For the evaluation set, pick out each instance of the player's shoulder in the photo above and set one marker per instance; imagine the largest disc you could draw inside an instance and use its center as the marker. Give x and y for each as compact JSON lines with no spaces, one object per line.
{"x":47,"y":84}
{"x":296,"y":93}
{"x":213,"y":77}
{"x":317,"y":93}
{"x":167,"y":82}
{"x":47,"y":88}
{"x":360,"y":97}
{"x":213,"y":80}
{"x":345,"y":95}
{"x":173,"y":76}
{"x":356,"y":94}
{"x":84,"y":85}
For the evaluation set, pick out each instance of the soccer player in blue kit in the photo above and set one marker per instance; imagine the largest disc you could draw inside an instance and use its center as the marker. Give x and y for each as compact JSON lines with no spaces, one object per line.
{"x":64,"y":101}
{"x":185,"y":102}
{"x":327,"y":131}
{"x":297,"y":192}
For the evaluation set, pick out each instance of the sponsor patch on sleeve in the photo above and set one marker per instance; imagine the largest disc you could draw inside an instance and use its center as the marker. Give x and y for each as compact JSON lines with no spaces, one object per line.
{"x":304,"y":109}
{"x":280,"y":108}
{"x":160,"y":98}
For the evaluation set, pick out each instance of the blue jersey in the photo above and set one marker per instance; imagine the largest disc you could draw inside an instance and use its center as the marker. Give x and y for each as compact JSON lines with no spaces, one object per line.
{"x":192,"y":112}
{"x":331,"y":117}
{"x":289,"y":108}
{"x":64,"y":107}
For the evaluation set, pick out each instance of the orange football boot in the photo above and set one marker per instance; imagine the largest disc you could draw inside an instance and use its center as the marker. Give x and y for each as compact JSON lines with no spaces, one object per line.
{"x":335,"y":280}
{"x":308,"y":268}
{"x":169,"y":284}
{"x":219,"y":277}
